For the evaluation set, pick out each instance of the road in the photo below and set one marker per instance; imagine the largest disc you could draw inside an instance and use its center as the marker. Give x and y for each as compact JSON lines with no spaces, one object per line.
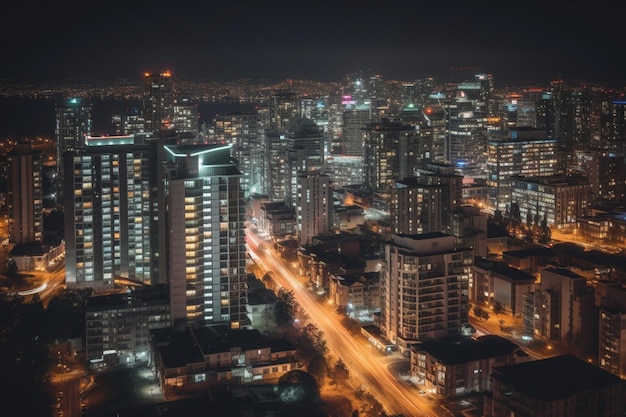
{"x":364,"y":362}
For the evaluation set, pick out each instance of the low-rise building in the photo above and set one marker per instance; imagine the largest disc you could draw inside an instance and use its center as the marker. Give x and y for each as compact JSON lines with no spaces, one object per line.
{"x":562,"y":385}
{"x":459,"y":365}
{"x":118,"y":325}
{"x":194,"y":359}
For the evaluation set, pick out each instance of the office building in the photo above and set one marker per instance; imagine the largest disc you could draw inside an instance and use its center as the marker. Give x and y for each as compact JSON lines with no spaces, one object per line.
{"x":344,"y":170}
{"x":206,"y":246}
{"x":354,"y":120}
{"x":466,"y":116}
{"x":424,"y":288}
{"x":25,"y":194}
{"x":556,"y":200}
{"x":520,"y":151}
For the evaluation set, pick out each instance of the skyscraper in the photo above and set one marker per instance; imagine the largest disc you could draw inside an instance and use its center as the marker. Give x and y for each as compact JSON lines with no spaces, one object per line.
{"x":158,"y":101}
{"x":207,"y":254}
{"x":73,"y":125}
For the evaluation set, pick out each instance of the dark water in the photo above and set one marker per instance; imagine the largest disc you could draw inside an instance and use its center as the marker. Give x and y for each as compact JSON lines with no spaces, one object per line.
{"x":22,"y":118}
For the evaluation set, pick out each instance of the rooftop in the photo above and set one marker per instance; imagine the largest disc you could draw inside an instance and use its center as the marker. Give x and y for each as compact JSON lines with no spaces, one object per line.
{"x":555,"y":378}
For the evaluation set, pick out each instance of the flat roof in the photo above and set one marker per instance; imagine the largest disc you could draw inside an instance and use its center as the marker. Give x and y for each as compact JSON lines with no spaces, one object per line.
{"x":555,"y":378}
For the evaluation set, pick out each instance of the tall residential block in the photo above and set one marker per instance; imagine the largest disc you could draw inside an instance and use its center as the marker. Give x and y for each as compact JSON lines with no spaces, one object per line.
{"x":611,"y":300}
{"x":424,"y":202}
{"x":206,"y":242}
{"x":314,"y":206}
{"x":566,"y":312}
{"x":390,"y":154}
{"x":304,"y":152}
{"x":424,"y":288}
{"x":73,"y":125}
{"x":108,"y":232}
{"x":158,"y":101}
{"x":25,"y":194}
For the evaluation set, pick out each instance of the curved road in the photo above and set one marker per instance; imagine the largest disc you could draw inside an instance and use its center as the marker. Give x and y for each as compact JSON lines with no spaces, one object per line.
{"x":363,"y":361}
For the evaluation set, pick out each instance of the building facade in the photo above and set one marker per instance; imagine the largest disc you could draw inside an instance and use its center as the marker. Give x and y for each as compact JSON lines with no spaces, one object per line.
{"x":25,"y":194}
{"x":206,"y":246}
{"x":108,"y":213}
{"x":424,"y":288}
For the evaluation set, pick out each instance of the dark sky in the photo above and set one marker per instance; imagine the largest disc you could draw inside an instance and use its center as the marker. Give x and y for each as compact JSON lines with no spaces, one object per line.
{"x":519,"y":42}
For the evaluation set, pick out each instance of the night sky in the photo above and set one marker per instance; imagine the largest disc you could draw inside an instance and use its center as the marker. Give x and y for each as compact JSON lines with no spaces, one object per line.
{"x":519,"y":42}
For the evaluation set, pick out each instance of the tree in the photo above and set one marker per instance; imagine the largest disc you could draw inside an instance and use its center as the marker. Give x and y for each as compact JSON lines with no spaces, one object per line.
{"x":480,"y":313}
{"x":515,"y":213}
{"x":545,"y":234}
{"x":297,"y":386}
{"x":24,"y":347}
{"x":311,"y":342}
{"x":286,"y":307}
{"x":12,"y":270}
{"x":340,"y":373}
{"x":498,"y":308}
{"x":268,"y":281}
{"x":351,"y":325}
{"x":318,"y":368}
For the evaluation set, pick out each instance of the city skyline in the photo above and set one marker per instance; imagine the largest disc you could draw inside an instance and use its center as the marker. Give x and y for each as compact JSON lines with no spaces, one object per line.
{"x":532,"y":44}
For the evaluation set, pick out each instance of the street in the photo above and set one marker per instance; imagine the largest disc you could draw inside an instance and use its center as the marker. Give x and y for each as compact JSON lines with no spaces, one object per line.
{"x":364,"y":362}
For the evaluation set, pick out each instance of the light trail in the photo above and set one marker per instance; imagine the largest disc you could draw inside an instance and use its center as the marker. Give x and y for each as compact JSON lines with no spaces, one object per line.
{"x":363,"y":362}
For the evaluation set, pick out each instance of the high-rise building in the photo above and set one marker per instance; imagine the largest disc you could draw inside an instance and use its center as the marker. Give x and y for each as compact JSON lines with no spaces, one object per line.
{"x":158,"y":101}
{"x":466,"y":117}
{"x":390,"y":153}
{"x":424,"y":202}
{"x":611,"y":300}
{"x":355,"y":119}
{"x":607,"y":177}
{"x":185,"y":121}
{"x":25,"y":194}
{"x":108,"y":232}
{"x":304,"y":152}
{"x":566,"y":312}
{"x":424,"y":288}
{"x":520,"y":151}
{"x":284,"y":106}
{"x":73,"y":125}
{"x":244,"y":132}
{"x":206,"y":242}
{"x":314,"y":206}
